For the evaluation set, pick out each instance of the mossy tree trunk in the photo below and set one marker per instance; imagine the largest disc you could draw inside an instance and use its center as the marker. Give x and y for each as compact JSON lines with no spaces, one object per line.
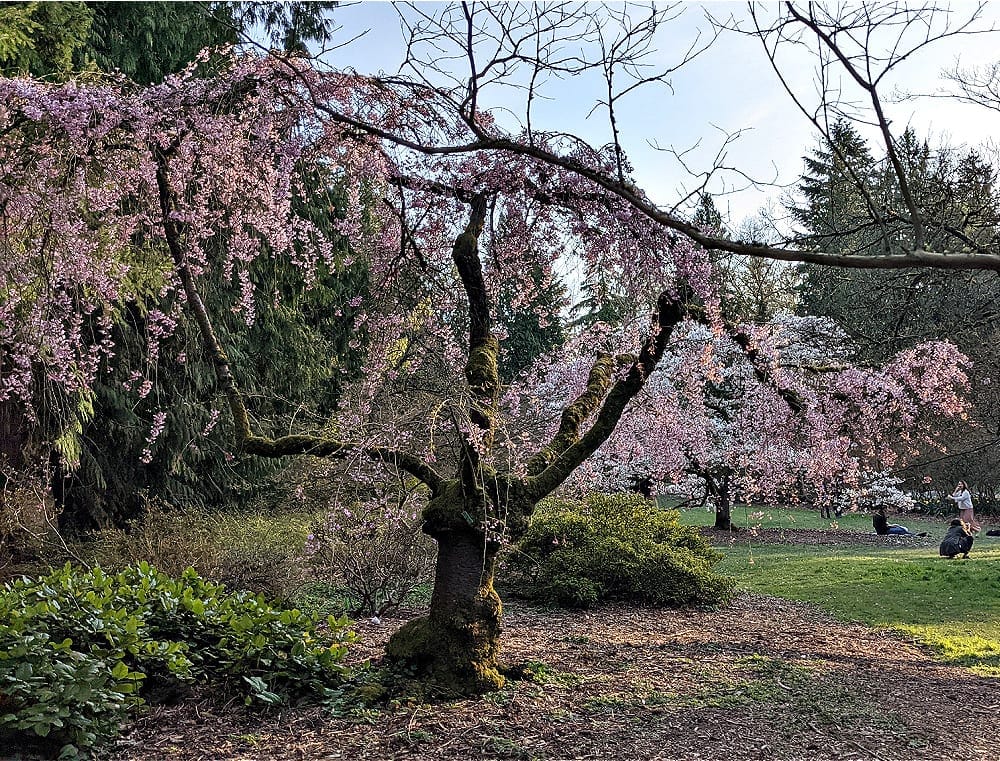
{"x":455,"y":647}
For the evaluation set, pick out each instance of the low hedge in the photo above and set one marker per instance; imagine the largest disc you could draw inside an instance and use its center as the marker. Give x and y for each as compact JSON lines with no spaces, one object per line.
{"x":620,"y":547}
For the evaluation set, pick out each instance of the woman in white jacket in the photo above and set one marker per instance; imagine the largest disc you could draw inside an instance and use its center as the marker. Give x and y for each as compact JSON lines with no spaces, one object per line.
{"x":963,"y":500}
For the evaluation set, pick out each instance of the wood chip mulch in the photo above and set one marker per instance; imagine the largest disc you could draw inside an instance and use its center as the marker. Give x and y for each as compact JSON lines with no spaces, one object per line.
{"x":762,"y":678}
{"x":821,"y":537}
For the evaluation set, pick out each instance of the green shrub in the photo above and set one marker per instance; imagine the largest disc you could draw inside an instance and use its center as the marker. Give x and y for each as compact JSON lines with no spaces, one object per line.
{"x":79,"y":649}
{"x":613,"y":547}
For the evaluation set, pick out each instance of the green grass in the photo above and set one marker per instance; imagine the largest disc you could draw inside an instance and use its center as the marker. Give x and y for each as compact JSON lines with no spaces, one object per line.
{"x":953,"y":606}
{"x":758,"y":516}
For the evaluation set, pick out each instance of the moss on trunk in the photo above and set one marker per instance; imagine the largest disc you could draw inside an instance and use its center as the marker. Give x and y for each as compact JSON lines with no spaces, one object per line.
{"x":454,"y":649}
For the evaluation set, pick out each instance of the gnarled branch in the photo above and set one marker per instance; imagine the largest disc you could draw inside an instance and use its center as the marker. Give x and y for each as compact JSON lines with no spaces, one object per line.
{"x":670,"y":311}
{"x":577,"y":412}
{"x":265,"y":447}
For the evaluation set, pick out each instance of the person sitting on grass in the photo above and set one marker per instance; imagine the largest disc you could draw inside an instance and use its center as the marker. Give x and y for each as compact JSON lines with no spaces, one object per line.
{"x":884,"y":528}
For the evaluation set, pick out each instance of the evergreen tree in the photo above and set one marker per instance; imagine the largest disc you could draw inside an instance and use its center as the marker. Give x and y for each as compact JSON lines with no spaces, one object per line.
{"x":145,"y":41}
{"x":752,"y":290}
{"x":533,"y":329}
{"x":162,"y":442}
{"x":105,"y":464}
{"x":707,"y":215}
{"x":41,"y":39}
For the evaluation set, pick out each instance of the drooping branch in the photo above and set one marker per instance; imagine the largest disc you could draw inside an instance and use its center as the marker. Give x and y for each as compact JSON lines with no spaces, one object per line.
{"x":670,"y":311}
{"x":483,"y":142}
{"x":316,"y":446}
{"x":457,"y":130}
{"x":210,"y":341}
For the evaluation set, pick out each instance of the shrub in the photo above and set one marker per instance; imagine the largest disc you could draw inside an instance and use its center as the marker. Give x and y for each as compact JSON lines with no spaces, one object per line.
{"x":78,"y":649}
{"x":27,"y":515}
{"x":613,"y":547}
{"x":373,"y":553}
{"x":241,"y":549}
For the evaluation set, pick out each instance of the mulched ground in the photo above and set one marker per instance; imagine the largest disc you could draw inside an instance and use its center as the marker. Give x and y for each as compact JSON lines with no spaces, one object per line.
{"x":824,"y":536}
{"x":762,"y":678}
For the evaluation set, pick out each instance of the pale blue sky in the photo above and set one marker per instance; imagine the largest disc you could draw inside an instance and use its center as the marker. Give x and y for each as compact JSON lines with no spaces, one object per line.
{"x":730,"y":87}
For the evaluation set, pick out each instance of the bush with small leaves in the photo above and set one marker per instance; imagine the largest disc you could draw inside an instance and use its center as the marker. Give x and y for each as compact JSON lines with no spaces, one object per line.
{"x":79,"y":649}
{"x":373,"y":553}
{"x":613,"y":547}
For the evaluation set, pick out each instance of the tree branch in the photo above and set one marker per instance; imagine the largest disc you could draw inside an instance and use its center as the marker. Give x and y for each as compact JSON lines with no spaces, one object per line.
{"x":245,"y":439}
{"x":318,"y":446}
{"x":670,"y":311}
{"x":576,"y":413}
{"x":210,"y":341}
{"x":481,"y":368}
{"x":627,"y":192}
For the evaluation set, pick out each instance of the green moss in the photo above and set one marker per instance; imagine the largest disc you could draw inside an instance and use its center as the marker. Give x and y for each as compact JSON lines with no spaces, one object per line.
{"x":447,"y":510}
{"x":368,"y":694}
{"x":449,"y":660}
{"x":481,"y":370}
{"x":598,"y":383}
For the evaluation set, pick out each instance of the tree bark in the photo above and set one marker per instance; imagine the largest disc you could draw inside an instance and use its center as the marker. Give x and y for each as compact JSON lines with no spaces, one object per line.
{"x":454,"y":649}
{"x":723,"y":506}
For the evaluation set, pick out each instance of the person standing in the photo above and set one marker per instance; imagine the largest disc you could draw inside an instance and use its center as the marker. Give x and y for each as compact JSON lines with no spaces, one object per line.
{"x":963,"y":500}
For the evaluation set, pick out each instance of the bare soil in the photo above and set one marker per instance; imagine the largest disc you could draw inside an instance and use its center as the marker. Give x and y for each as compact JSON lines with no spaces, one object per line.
{"x":762,"y":678}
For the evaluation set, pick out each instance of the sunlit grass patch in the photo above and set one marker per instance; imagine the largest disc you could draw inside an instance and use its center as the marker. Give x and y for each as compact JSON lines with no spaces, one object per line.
{"x":763,"y":516}
{"x":951,"y":606}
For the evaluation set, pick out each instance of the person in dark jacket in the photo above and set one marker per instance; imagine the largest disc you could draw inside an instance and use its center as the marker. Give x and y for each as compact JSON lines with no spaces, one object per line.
{"x":884,"y":528}
{"x":958,"y":540}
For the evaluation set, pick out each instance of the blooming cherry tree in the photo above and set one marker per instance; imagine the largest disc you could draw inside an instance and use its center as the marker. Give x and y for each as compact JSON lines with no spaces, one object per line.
{"x":195,"y":179}
{"x":107,"y":191}
{"x":773,"y":411}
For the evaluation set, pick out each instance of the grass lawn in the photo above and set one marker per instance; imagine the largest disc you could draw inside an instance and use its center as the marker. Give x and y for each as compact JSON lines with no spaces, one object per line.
{"x":950,"y":605}
{"x":779,"y":517}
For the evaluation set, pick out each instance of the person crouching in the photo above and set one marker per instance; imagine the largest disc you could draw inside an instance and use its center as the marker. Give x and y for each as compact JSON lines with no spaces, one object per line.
{"x":957,"y":541}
